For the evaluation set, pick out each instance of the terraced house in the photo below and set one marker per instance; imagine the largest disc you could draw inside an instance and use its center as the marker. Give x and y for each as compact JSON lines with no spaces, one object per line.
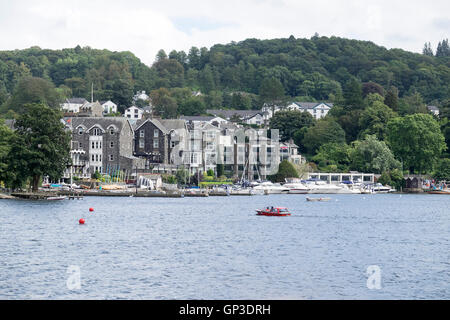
{"x":101,"y":145}
{"x":154,"y":140}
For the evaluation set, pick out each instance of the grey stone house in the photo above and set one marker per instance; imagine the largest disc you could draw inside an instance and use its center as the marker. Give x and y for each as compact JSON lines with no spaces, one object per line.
{"x":101,"y":144}
{"x":154,"y":140}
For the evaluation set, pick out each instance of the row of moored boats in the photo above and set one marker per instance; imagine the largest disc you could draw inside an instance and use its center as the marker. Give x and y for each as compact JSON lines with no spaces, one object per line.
{"x":310,"y":187}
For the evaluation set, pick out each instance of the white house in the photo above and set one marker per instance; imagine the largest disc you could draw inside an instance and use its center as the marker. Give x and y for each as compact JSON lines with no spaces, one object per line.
{"x":245,"y":116}
{"x":317,"y":109}
{"x":73,"y":105}
{"x":108,"y":107}
{"x":201,"y":120}
{"x":141,"y":95}
{"x":434,"y":110}
{"x":134,"y":112}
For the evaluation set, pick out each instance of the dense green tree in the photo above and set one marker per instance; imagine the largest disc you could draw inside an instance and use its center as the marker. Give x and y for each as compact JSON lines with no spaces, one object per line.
{"x":324,"y":131}
{"x":285,"y":170}
{"x":333,"y":157}
{"x":33,"y":90}
{"x":288,"y":122}
{"x":194,"y":106}
{"x":375,"y":117}
{"x":417,"y":140}
{"x":6,"y":135}
{"x":39,"y":148}
{"x":412,"y":104}
{"x":353,"y":95}
{"x":372,"y":155}
{"x":391,"y":98}
{"x":442,"y":171}
{"x":272,"y":93}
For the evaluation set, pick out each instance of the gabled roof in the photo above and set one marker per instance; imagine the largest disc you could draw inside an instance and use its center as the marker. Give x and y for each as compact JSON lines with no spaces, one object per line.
{"x":312,"y":105}
{"x":173,"y":124}
{"x":89,"y":122}
{"x":433,"y":108}
{"x":76,"y":100}
{"x":228,"y":114}
{"x":156,"y":123}
{"x":197,"y":118}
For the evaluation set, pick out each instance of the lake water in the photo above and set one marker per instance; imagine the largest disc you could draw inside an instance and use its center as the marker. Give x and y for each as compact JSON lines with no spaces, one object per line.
{"x":217,"y":248}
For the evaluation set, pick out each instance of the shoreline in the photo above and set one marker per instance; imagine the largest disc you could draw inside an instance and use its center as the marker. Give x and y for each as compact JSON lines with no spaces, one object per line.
{"x":156,"y":194}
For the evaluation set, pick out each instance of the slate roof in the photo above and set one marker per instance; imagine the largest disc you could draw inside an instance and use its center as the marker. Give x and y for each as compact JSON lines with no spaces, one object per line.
{"x":312,"y":105}
{"x":228,"y":114}
{"x":76,"y":100}
{"x":89,"y":122}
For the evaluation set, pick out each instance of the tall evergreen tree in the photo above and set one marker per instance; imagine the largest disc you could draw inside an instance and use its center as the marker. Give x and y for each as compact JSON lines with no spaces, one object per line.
{"x":427,"y":50}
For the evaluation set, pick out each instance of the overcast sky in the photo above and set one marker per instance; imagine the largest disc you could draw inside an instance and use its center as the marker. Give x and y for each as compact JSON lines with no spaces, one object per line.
{"x":145,"y":26}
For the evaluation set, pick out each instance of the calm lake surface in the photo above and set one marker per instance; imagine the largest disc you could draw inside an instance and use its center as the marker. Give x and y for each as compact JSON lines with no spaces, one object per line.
{"x":217,"y":248}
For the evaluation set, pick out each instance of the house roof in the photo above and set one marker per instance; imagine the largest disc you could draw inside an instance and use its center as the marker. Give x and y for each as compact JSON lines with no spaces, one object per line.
{"x":76,"y":100}
{"x":312,"y":105}
{"x":89,"y":122}
{"x":197,"y":118}
{"x":155,"y":122}
{"x":227,"y":114}
{"x":433,"y":108}
{"x":173,"y":124}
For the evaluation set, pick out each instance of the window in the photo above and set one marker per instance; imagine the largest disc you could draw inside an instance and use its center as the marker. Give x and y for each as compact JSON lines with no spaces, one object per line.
{"x":156,"y":133}
{"x":141,"y":133}
{"x":93,"y":145}
{"x":93,"y":159}
{"x":141,"y":143}
{"x":111,"y":157}
{"x":136,"y":110}
{"x":111,"y":144}
{"x":97,"y":132}
{"x":111,"y":131}
{"x":80,"y":145}
{"x":155,"y":144}
{"x":80,"y":130}
{"x":136,"y":116}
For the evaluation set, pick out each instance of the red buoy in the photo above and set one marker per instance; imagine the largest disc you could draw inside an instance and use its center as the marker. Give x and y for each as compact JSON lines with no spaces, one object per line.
{"x":81,"y":221}
{"x":91,"y":209}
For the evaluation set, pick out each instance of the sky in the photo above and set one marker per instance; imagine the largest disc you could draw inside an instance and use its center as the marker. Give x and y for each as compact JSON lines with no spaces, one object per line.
{"x":146,"y":26}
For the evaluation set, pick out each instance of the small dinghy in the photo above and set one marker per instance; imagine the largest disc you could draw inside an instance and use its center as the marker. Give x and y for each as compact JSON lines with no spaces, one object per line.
{"x":56,"y":198}
{"x":318,"y":199}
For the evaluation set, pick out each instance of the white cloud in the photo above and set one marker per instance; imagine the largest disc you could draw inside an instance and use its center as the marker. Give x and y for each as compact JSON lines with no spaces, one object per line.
{"x":144,"y":27}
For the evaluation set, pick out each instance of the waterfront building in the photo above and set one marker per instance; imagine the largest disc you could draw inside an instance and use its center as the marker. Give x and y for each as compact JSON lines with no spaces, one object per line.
{"x":101,"y":145}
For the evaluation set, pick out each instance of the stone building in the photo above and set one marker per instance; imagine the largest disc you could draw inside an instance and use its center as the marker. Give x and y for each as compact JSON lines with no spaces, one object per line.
{"x":102,"y":145}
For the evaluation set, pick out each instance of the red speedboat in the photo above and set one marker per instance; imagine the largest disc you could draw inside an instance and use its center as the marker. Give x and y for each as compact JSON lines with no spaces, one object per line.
{"x":274,"y":212}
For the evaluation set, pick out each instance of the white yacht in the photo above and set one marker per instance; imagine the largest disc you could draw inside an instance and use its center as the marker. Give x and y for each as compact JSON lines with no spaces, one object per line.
{"x":271,"y":188}
{"x":297,"y":188}
{"x":321,"y":187}
{"x":348,"y":189}
{"x":379,"y":188}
